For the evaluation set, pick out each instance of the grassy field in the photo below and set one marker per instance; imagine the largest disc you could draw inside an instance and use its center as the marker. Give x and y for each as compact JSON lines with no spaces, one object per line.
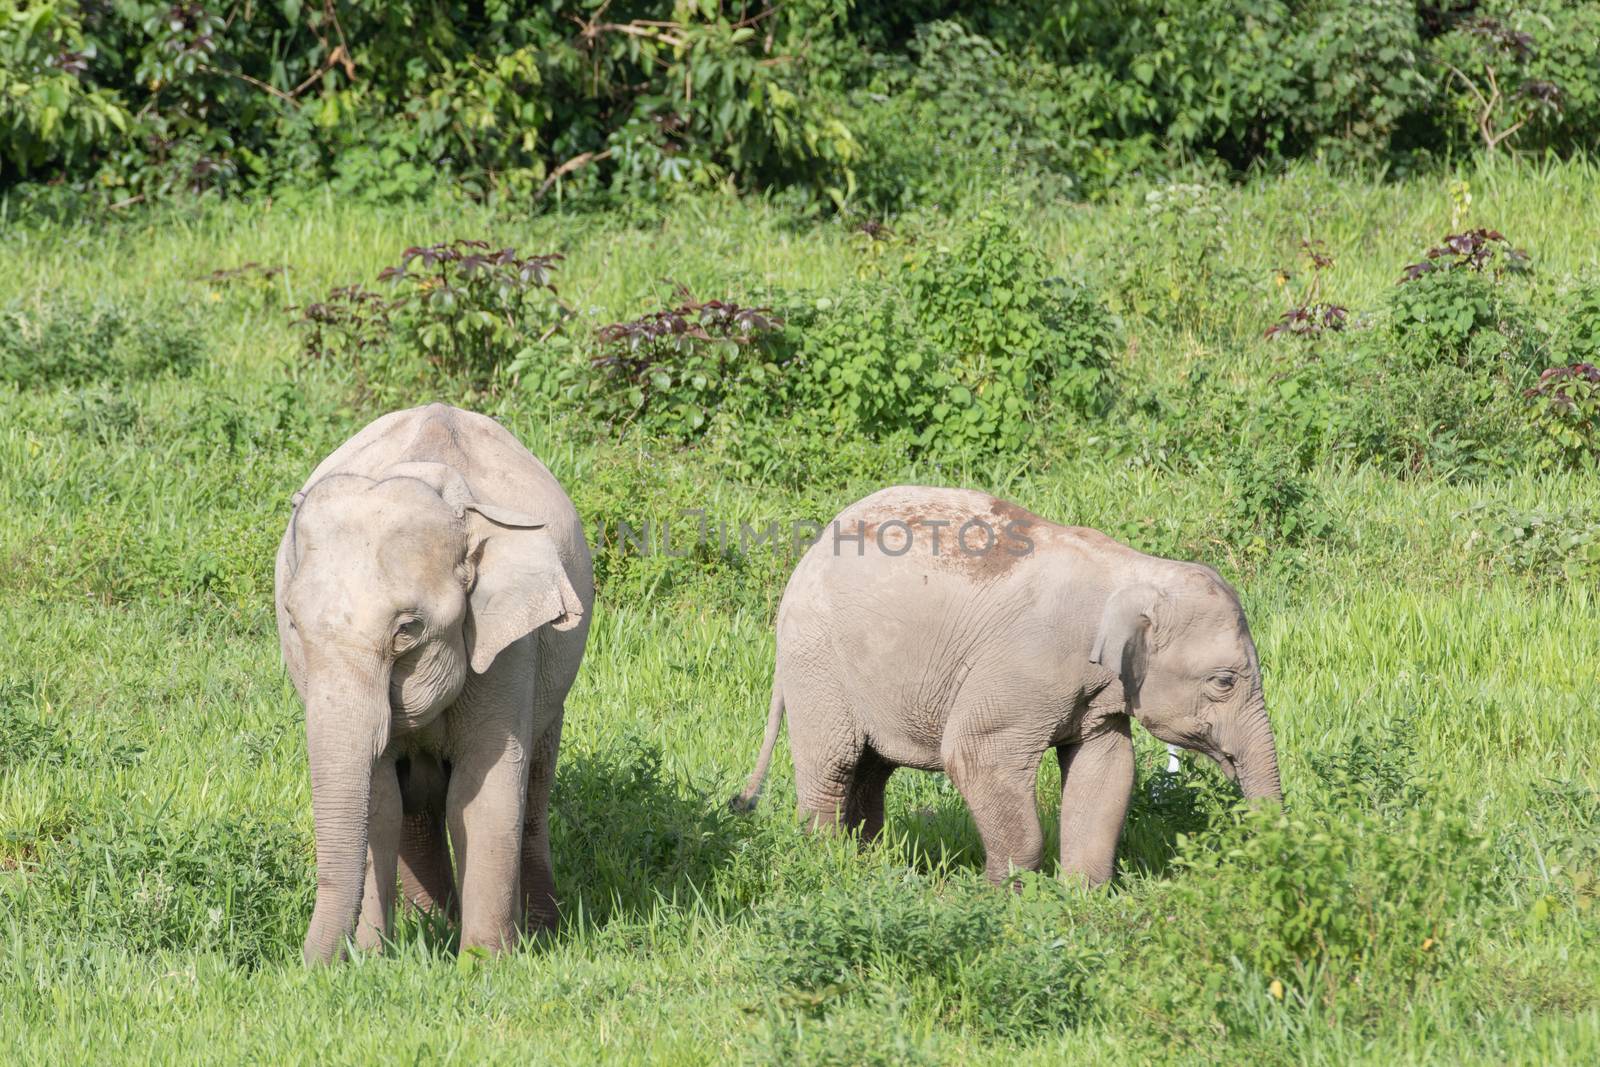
{"x":1426,"y":896}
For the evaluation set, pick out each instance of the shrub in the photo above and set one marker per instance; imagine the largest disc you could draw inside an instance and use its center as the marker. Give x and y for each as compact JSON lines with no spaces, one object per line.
{"x":1540,"y":543}
{"x":1581,"y":334}
{"x":1181,"y":262}
{"x":671,"y":371}
{"x":242,"y":888}
{"x":1439,"y":315}
{"x":628,"y":835}
{"x":1348,"y":904}
{"x":1499,"y":83}
{"x":387,"y":98}
{"x":960,"y":115}
{"x":1374,"y":773}
{"x":467,"y":307}
{"x":966,"y":350}
{"x":64,"y":341}
{"x":1312,"y":315}
{"x":971,"y":349}
{"x":1436,"y":383}
{"x":1000,"y":966}
{"x":1473,"y":250}
{"x":1270,"y":503}
{"x":49,"y":117}
{"x":1337,"y":891}
{"x":1566,"y":416}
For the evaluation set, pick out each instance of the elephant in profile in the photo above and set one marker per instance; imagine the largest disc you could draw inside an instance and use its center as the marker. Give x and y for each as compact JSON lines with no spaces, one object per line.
{"x":433,"y":597}
{"x":948,"y":630}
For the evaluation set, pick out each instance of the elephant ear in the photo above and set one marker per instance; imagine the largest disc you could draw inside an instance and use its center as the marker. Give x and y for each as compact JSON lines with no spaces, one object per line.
{"x":518,"y":585}
{"x":1123,"y":642}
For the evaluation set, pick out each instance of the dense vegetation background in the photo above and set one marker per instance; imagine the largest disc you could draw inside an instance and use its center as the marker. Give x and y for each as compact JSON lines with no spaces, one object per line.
{"x":871,"y":104}
{"x":1310,"y":292}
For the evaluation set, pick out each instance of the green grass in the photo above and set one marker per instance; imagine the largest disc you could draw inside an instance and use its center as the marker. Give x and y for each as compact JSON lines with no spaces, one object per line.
{"x":155,"y":826}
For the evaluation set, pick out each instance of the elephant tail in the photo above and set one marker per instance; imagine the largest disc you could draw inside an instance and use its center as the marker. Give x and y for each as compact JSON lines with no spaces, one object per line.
{"x":746,"y":801}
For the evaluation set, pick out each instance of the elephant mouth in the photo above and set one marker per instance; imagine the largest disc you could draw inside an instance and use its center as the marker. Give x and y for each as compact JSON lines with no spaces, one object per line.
{"x":1225,"y":761}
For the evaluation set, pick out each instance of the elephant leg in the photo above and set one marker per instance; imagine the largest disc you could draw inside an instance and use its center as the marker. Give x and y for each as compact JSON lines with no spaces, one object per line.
{"x":383,"y":844}
{"x":1000,"y":791}
{"x":539,"y":905}
{"x":427,"y":882}
{"x":1096,"y":786}
{"x":484,"y":807}
{"x":864,"y":806}
{"x":824,"y":774}
{"x":827,"y":745}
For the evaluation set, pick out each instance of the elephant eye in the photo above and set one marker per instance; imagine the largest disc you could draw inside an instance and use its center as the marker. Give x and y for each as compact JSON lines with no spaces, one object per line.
{"x":1223,"y":682}
{"x":407,"y":633}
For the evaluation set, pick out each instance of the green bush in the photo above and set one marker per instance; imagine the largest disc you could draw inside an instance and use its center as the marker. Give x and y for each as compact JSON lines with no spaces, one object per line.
{"x":891,"y":105}
{"x":1180,"y":261}
{"x":1566,"y":416}
{"x":465,"y":307}
{"x":1001,"y":966}
{"x":48,"y":117}
{"x":62,"y":341}
{"x":969,"y":350}
{"x":960,"y":115}
{"x":388,"y":98}
{"x":1376,"y":878}
{"x":1519,"y":74}
{"x":1542,"y":543}
{"x":1436,"y":383}
{"x":241,"y":888}
{"x":1270,"y":504}
{"x":972,"y":348}
{"x":673,"y":371}
{"x":628,"y":836}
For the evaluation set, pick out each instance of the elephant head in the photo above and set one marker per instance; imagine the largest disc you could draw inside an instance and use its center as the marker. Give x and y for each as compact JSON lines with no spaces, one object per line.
{"x":1189,"y":671}
{"x":395,"y":590}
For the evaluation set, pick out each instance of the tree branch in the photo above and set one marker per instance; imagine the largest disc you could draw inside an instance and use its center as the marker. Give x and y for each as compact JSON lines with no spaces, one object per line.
{"x":575,"y":163}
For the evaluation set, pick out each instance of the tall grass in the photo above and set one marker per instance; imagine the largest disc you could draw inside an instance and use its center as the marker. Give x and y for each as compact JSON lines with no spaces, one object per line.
{"x":1435,"y":697}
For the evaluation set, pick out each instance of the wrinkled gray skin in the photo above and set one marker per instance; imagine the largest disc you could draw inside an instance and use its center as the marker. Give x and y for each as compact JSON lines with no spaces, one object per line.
{"x":976,"y":663}
{"x":433,"y":595}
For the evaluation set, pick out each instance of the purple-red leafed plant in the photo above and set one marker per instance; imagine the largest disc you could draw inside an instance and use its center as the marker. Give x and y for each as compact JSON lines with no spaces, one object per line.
{"x":1567,"y":415}
{"x":348,"y":323}
{"x":1473,"y":250}
{"x":1313,"y":315}
{"x":466,"y":304}
{"x":673,"y":368}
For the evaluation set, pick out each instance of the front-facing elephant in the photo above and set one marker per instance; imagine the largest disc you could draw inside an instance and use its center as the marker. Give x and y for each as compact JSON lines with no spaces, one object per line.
{"x":947,"y":630}
{"x":433,"y":597}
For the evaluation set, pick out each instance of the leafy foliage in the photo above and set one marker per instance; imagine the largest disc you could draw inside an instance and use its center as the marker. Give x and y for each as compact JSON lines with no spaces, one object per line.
{"x":1270,"y":503}
{"x":1375,"y":878}
{"x":1312,"y":315}
{"x":672,"y":370}
{"x":49,"y":118}
{"x":243,"y":887}
{"x":1543,"y":542}
{"x":1566,"y":407}
{"x":1003,"y":968}
{"x":465,"y":305}
{"x":64,"y":341}
{"x":969,"y":347}
{"x":1473,"y":250}
{"x":892,"y":105}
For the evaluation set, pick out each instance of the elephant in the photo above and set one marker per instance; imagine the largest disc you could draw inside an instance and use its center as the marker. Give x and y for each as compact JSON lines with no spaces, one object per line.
{"x":433,"y":595}
{"x":948,"y":630}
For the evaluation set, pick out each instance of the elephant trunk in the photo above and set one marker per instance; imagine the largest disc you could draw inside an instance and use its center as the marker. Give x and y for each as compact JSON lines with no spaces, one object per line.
{"x":347,"y":729}
{"x":1255,"y":756}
